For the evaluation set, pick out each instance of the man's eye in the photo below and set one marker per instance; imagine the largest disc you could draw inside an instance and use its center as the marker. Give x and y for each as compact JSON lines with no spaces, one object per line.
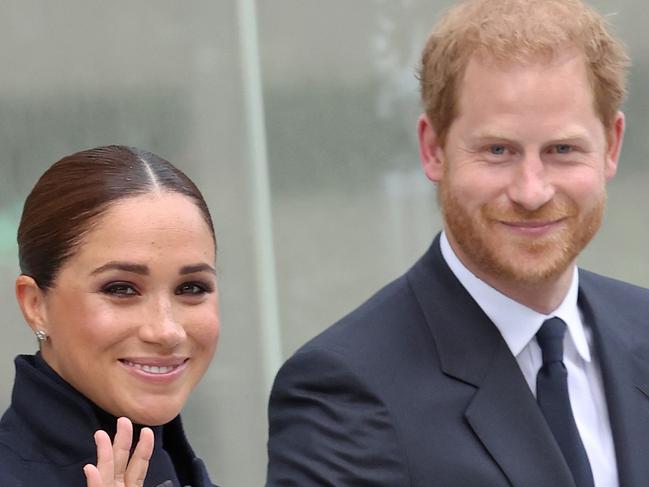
{"x":497,"y":149}
{"x":563,"y":148}
{"x":119,"y":289}
{"x":191,"y":288}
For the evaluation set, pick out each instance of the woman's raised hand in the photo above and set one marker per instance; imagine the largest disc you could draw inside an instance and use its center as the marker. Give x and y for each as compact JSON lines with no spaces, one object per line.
{"x":114,"y":468}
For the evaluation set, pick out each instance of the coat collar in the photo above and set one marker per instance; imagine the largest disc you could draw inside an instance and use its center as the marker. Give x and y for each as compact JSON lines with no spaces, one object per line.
{"x":52,"y":413}
{"x":49,"y":413}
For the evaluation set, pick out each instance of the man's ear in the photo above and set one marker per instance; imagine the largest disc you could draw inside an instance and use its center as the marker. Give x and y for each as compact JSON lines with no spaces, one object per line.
{"x":614,"y":139}
{"x":31,"y":300}
{"x":430,"y":150}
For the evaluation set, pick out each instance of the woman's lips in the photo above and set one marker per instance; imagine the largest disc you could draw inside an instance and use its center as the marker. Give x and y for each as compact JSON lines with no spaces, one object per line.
{"x":155,"y":369}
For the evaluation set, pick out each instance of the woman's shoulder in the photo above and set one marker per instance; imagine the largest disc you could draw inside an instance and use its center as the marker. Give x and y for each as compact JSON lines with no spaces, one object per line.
{"x":12,"y":466}
{"x":9,"y":441}
{"x":23,"y":463}
{"x":18,"y":444}
{"x":18,"y":471}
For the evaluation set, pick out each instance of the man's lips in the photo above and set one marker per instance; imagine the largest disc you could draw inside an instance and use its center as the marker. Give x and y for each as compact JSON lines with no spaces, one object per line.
{"x":155,"y":365}
{"x":532,"y":223}
{"x":533,"y":228}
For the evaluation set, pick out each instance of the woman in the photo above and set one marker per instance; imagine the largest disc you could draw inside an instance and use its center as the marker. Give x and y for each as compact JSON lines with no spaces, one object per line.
{"x":117,"y":252}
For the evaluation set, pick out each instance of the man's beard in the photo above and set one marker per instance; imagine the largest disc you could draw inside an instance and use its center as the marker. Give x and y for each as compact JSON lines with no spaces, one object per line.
{"x":494,"y":251}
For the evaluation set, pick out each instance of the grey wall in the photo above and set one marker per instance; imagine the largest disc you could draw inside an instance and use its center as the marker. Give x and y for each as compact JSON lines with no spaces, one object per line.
{"x":349,"y":206}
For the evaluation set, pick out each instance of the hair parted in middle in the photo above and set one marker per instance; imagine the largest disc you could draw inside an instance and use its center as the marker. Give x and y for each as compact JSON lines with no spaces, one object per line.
{"x":75,"y":192}
{"x":517,"y":32}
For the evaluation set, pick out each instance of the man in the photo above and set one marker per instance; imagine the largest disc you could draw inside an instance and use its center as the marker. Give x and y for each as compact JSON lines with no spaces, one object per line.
{"x":493,"y":361}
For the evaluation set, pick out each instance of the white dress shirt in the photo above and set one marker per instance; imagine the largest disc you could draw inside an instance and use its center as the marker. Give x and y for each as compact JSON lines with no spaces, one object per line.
{"x":518,"y":325}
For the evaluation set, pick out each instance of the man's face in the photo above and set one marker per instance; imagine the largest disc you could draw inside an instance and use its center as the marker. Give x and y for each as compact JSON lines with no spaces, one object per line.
{"x":522,"y":174}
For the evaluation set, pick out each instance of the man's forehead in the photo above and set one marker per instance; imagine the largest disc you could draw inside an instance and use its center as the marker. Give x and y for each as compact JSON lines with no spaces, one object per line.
{"x":514,"y":60}
{"x":482,"y":69}
{"x":556,"y":93}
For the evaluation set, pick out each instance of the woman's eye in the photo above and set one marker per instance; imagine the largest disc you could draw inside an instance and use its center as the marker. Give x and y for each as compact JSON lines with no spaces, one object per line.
{"x":120,"y":289}
{"x":191,"y":288}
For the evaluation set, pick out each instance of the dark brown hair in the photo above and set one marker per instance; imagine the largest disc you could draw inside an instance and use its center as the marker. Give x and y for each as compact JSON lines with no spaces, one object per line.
{"x":76,"y":191}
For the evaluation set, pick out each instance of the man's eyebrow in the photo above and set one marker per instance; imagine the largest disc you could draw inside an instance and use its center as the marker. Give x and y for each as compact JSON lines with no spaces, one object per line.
{"x":572,"y":136}
{"x":492,"y":135}
{"x":122,"y":266}
{"x":190,"y":269}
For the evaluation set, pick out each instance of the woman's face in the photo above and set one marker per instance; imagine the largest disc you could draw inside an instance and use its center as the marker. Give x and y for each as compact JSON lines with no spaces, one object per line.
{"x":133,"y":316}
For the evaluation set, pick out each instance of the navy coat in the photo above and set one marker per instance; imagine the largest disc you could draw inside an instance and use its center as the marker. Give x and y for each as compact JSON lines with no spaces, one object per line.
{"x":46,"y":436}
{"x":417,"y":388}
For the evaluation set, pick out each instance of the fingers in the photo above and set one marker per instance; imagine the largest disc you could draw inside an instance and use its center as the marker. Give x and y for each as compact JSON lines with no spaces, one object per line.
{"x":105,"y":461}
{"x":121,"y":450}
{"x":93,"y":478}
{"x":114,"y":469}
{"x":137,"y":467}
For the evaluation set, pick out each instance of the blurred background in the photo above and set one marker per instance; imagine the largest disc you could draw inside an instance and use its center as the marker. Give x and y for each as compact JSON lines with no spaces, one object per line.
{"x":297,"y":120}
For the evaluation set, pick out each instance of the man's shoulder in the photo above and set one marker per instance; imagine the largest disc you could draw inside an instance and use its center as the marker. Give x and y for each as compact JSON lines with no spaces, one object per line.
{"x":378,"y":319}
{"x":386,"y":336}
{"x":372,"y":356}
{"x":620,"y":307}
{"x":615,"y":290}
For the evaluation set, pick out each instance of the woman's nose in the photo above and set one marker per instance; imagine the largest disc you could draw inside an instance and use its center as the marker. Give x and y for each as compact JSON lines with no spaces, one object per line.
{"x":161,"y":325}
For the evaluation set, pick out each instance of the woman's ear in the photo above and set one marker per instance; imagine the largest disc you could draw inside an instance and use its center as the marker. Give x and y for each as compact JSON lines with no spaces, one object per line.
{"x":31,"y":300}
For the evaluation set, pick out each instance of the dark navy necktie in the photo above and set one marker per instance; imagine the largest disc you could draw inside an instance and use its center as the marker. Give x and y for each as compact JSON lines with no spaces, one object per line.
{"x":552,"y":396}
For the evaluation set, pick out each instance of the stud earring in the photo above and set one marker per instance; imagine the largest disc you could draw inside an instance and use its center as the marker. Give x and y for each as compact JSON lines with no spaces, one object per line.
{"x":41,"y":336}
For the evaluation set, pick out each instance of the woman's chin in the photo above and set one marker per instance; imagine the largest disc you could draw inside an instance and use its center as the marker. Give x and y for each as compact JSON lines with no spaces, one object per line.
{"x":154,"y":412}
{"x":152,"y":418}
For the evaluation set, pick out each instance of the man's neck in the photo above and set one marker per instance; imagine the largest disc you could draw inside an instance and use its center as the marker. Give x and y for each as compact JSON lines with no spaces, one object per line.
{"x":542,"y":296}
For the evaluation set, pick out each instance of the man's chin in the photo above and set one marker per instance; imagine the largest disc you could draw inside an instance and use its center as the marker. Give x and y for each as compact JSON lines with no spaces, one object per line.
{"x":531,"y":268}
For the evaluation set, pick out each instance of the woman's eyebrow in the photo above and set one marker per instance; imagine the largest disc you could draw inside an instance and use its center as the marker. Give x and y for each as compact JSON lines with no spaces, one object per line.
{"x":122,"y":266}
{"x":190,"y":269}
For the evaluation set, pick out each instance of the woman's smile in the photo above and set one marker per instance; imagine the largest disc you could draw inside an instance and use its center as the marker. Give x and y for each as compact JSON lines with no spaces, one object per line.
{"x":156,"y":370}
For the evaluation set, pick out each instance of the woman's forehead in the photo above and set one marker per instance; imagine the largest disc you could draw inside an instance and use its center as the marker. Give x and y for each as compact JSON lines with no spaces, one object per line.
{"x":167,"y":225}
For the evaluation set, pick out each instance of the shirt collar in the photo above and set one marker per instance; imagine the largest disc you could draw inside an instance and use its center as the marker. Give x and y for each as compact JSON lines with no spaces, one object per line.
{"x":516,"y":322}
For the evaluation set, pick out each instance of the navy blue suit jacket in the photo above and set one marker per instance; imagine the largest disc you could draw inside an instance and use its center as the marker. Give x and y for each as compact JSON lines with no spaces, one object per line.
{"x":417,"y":388}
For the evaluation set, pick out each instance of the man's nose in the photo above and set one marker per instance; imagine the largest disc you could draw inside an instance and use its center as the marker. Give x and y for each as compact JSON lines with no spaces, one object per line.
{"x":161,"y":326}
{"x":529,"y":186}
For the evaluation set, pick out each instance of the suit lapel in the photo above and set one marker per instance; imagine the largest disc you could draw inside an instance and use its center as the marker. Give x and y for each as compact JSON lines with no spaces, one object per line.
{"x":503,"y":413}
{"x":625,"y":373}
{"x":506,"y":418}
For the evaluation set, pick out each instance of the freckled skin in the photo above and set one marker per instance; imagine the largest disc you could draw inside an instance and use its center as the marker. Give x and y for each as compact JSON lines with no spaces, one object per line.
{"x":94,"y":320}
{"x":522,"y":175}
